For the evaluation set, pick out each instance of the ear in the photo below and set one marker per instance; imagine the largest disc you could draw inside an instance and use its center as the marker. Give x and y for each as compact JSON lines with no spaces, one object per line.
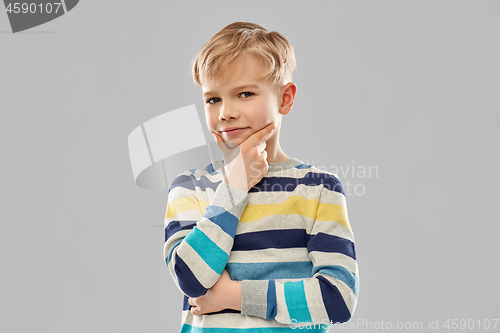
{"x":287,"y":98}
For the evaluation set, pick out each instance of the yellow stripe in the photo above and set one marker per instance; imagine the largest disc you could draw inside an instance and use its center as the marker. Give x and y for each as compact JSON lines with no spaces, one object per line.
{"x":203,"y":206}
{"x":181,"y":205}
{"x":293,"y":205}
{"x":329,"y":212}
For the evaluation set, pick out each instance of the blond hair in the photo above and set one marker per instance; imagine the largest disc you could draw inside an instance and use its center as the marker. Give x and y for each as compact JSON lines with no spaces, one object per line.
{"x":240,"y":38}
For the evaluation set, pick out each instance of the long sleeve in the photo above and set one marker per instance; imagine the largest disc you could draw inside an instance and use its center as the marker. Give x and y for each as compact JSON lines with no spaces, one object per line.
{"x":330,"y":295}
{"x":198,"y":240}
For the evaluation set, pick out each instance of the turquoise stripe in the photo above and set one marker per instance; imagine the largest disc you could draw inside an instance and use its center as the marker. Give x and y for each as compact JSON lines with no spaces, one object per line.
{"x":295,"y":298}
{"x":213,"y":255}
{"x":318,"y":328}
{"x":341,"y":273}
{"x":270,"y":270}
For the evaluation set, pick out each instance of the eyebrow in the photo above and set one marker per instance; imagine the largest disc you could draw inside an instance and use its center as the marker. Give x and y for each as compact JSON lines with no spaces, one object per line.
{"x":234,"y":89}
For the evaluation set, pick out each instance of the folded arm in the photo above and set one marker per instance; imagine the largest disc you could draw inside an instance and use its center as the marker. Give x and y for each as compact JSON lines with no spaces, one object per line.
{"x":197,"y":240}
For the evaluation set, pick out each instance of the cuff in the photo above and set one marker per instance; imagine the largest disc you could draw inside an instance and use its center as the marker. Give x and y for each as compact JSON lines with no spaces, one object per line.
{"x":258,"y":298}
{"x":231,"y":198}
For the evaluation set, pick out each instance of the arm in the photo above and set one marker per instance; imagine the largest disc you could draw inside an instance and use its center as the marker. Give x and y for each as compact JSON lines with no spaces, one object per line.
{"x":198,"y":241}
{"x":331,"y":293}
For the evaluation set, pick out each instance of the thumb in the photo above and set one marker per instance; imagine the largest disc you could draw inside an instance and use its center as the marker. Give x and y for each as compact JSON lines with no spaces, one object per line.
{"x":216,"y":136}
{"x":220,"y":143}
{"x":228,"y":153}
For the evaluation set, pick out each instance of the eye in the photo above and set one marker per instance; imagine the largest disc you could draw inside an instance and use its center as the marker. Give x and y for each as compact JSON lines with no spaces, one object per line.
{"x":247,"y":92}
{"x":211,"y":99}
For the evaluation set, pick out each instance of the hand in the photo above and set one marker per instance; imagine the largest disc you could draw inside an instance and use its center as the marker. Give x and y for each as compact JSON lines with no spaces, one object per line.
{"x":224,"y":294}
{"x":249,"y":156}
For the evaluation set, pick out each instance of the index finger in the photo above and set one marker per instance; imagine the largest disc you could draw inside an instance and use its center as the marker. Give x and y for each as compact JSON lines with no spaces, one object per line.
{"x":259,"y":136}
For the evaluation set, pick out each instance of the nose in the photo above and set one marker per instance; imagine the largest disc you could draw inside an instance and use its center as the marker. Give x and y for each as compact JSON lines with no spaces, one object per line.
{"x":227,"y":112}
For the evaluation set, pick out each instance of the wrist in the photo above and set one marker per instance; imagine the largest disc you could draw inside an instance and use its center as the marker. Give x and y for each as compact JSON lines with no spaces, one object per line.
{"x":238,"y":186}
{"x":234,"y":300}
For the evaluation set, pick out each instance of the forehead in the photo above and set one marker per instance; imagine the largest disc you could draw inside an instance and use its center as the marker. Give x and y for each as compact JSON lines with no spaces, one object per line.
{"x":246,"y":71}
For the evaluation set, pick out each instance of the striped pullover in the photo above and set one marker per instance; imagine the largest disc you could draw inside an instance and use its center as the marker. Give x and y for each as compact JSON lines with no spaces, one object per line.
{"x":288,"y":240}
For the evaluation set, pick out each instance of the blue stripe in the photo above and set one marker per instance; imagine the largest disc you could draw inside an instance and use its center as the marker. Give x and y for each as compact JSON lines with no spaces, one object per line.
{"x":341,"y":273}
{"x":187,"y":281}
{"x":278,"y":239}
{"x":171,"y":251}
{"x":334,"y":302}
{"x":318,"y":328}
{"x":328,"y":243}
{"x":270,"y":270}
{"x":295,"y":298}
{"x":303,"y":166}
{"x":224,"y":219}
{"x":213,"y":255}
{"x":272,"y":309}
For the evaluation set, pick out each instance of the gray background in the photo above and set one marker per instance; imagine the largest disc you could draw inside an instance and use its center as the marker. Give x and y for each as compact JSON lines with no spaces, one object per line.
{"x":410,"y":87}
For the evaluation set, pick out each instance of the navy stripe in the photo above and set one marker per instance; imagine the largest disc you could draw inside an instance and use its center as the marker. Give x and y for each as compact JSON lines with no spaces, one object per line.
{"x":187,"y":281}
{"x":183,"y":181}
{"x":327,"y":243}
{"x":278,"y":239}
{"x":188,"y":181}
{"x":224,"y":311}
{"x":186,"y":306}
{"x":175,"y":226}
{"x":288,"y":184}
{"x":334,"y":302}
{"x":332,"y":183}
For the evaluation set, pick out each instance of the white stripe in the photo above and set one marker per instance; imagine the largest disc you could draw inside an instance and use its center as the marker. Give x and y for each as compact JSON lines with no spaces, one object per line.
{"x":315,"y":301}
{"x":269,"y":255}
{"x":333,"y":228}
{"x":228,"y":320}
{"x":216,"y":234}
{"x":333,"y":197}
{"x":325,"y":258}
{"x":282,"y":315}
{"x":172,"y":240}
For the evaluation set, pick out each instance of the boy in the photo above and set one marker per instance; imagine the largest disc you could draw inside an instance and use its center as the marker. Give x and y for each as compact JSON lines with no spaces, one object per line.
{"x":257,"y":241}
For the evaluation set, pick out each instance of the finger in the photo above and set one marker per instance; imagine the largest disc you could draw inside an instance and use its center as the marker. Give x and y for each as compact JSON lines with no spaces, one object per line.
{"x":261,"y":147}
{"x":260,"y":135}
{"x":264,"y":153}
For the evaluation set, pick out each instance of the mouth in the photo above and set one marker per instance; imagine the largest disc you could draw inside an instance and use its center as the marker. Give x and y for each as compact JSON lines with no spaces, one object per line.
{"x":234,"y":131}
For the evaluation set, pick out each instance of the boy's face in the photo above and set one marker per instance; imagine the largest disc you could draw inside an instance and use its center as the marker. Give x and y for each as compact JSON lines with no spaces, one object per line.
{"x":241,"y":101}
